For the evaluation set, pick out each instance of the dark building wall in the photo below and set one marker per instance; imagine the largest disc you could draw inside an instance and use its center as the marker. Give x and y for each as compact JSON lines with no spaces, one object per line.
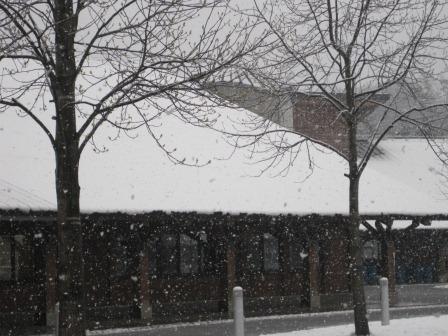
{"x":333,"y":263}
{"x":318,"y":119}
{"x":160,"y":267}
{"x":22,"y":273}
{"x":276,"y":107}
{"x":420,"y":256}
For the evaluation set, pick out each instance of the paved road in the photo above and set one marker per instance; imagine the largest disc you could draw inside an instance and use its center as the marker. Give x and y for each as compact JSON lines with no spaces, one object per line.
{"x":267,"y":325}
{"x":412,"y":295}
{"x":431,"y":300}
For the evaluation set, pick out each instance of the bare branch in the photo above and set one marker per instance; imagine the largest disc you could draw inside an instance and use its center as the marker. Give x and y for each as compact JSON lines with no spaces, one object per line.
{"x":15,"y":103}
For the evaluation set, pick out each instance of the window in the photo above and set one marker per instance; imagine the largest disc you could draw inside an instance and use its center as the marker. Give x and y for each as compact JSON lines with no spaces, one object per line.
{"x":173,"y":254}
{"x":252,"y":254}
{"x":120,"y":258}
{"x":16,"y":257}
{"x":371,"y":253}
{"x":270,"y":253}
{"x":371,"y":249}
{"x":298,"y":255}
{"x":5,"y":258}
{"x":169,"y":258}
{"x":260,"y":253}
{"x":153,"y":259}
{"x":189,"y":256}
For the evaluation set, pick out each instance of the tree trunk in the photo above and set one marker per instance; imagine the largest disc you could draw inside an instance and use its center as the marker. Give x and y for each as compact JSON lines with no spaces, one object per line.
{"x":70,"y":258}
{"x":357,"y":287}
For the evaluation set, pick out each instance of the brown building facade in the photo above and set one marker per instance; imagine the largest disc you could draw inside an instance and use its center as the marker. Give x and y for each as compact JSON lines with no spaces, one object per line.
{"x":166,"y":267}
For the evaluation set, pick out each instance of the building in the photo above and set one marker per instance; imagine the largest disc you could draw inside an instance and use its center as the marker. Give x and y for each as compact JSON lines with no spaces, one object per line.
{"x":314,"y":116}
{"x":167,"y":243}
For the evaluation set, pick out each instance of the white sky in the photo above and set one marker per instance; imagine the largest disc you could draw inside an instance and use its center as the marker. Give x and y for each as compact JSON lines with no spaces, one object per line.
{"x":134,"y":175}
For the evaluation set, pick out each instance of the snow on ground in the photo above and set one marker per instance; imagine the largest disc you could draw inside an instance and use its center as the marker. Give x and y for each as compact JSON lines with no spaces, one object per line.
{"x":419,"y":326}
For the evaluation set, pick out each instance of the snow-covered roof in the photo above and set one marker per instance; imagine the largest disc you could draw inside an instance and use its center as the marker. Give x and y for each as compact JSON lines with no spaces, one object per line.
{"x":435,"y":224}
{"x":400,"y":224}
{"x":12,"y":196}
{"x":134,"y":175}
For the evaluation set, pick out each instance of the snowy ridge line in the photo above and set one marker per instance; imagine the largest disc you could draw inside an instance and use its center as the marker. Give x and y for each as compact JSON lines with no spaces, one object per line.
{"x":396,"y":216}
{"x":24,"y":192}
{"x":440,"y":218}
{"x":22,"y":196}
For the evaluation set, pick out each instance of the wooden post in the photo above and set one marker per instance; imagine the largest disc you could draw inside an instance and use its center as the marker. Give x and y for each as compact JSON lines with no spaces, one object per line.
{"x":390,"y":269}
{"x":56,"y":323}
{"x":284,"y":256}
{"x":50,"y":282}
{"x":442,"y":271}
{"x":145,"y":290}
{"x":231,"y":276}
{"x":313,"y":260}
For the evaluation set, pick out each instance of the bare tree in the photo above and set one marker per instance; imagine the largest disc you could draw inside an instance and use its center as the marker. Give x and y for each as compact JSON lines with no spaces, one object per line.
{"x":74,"y":66}
{"x":348,"y":61}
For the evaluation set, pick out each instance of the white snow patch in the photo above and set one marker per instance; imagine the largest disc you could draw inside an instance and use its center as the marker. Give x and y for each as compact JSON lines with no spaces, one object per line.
{"x":134,"y":175}
{"x":428,"y":326}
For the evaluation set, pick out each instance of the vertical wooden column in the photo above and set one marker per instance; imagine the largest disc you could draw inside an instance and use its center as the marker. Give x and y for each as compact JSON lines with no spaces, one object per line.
{"x":442,"y":271}
{"x":231,"y":275}
{"x":390,"y":269}
{"x":50,"y":281}
{"x":313,"y":260}
{"x":285,"y":267}
{"x":145,"y":290}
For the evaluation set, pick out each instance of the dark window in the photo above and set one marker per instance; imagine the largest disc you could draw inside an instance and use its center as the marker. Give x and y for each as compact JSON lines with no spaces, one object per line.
{"x":260,"y":253}
{"x":16,"y":257}
{"x":298,"y":255}
{"x":172,"y":254}
{"x":270,"y":253}
{"x":371,"y":253}
{"x":5,"y":258}
{"x":153,"y":259}
{"x":169,"y":257}
{"x":371,"y":249}
{"x":252,"y":254}
{"x":23,"y":256}
{"x":120,"y":258}
{"x":189,"y":256}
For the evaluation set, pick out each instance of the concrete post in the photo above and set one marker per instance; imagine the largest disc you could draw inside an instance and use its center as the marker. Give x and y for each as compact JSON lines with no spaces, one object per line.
{"x":384,"y":287}
{"x":238,"y":311}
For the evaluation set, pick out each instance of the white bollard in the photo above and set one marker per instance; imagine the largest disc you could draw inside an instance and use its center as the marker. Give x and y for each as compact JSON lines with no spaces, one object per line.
{"x":238,"y":311}
{"x":384,"y":287}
